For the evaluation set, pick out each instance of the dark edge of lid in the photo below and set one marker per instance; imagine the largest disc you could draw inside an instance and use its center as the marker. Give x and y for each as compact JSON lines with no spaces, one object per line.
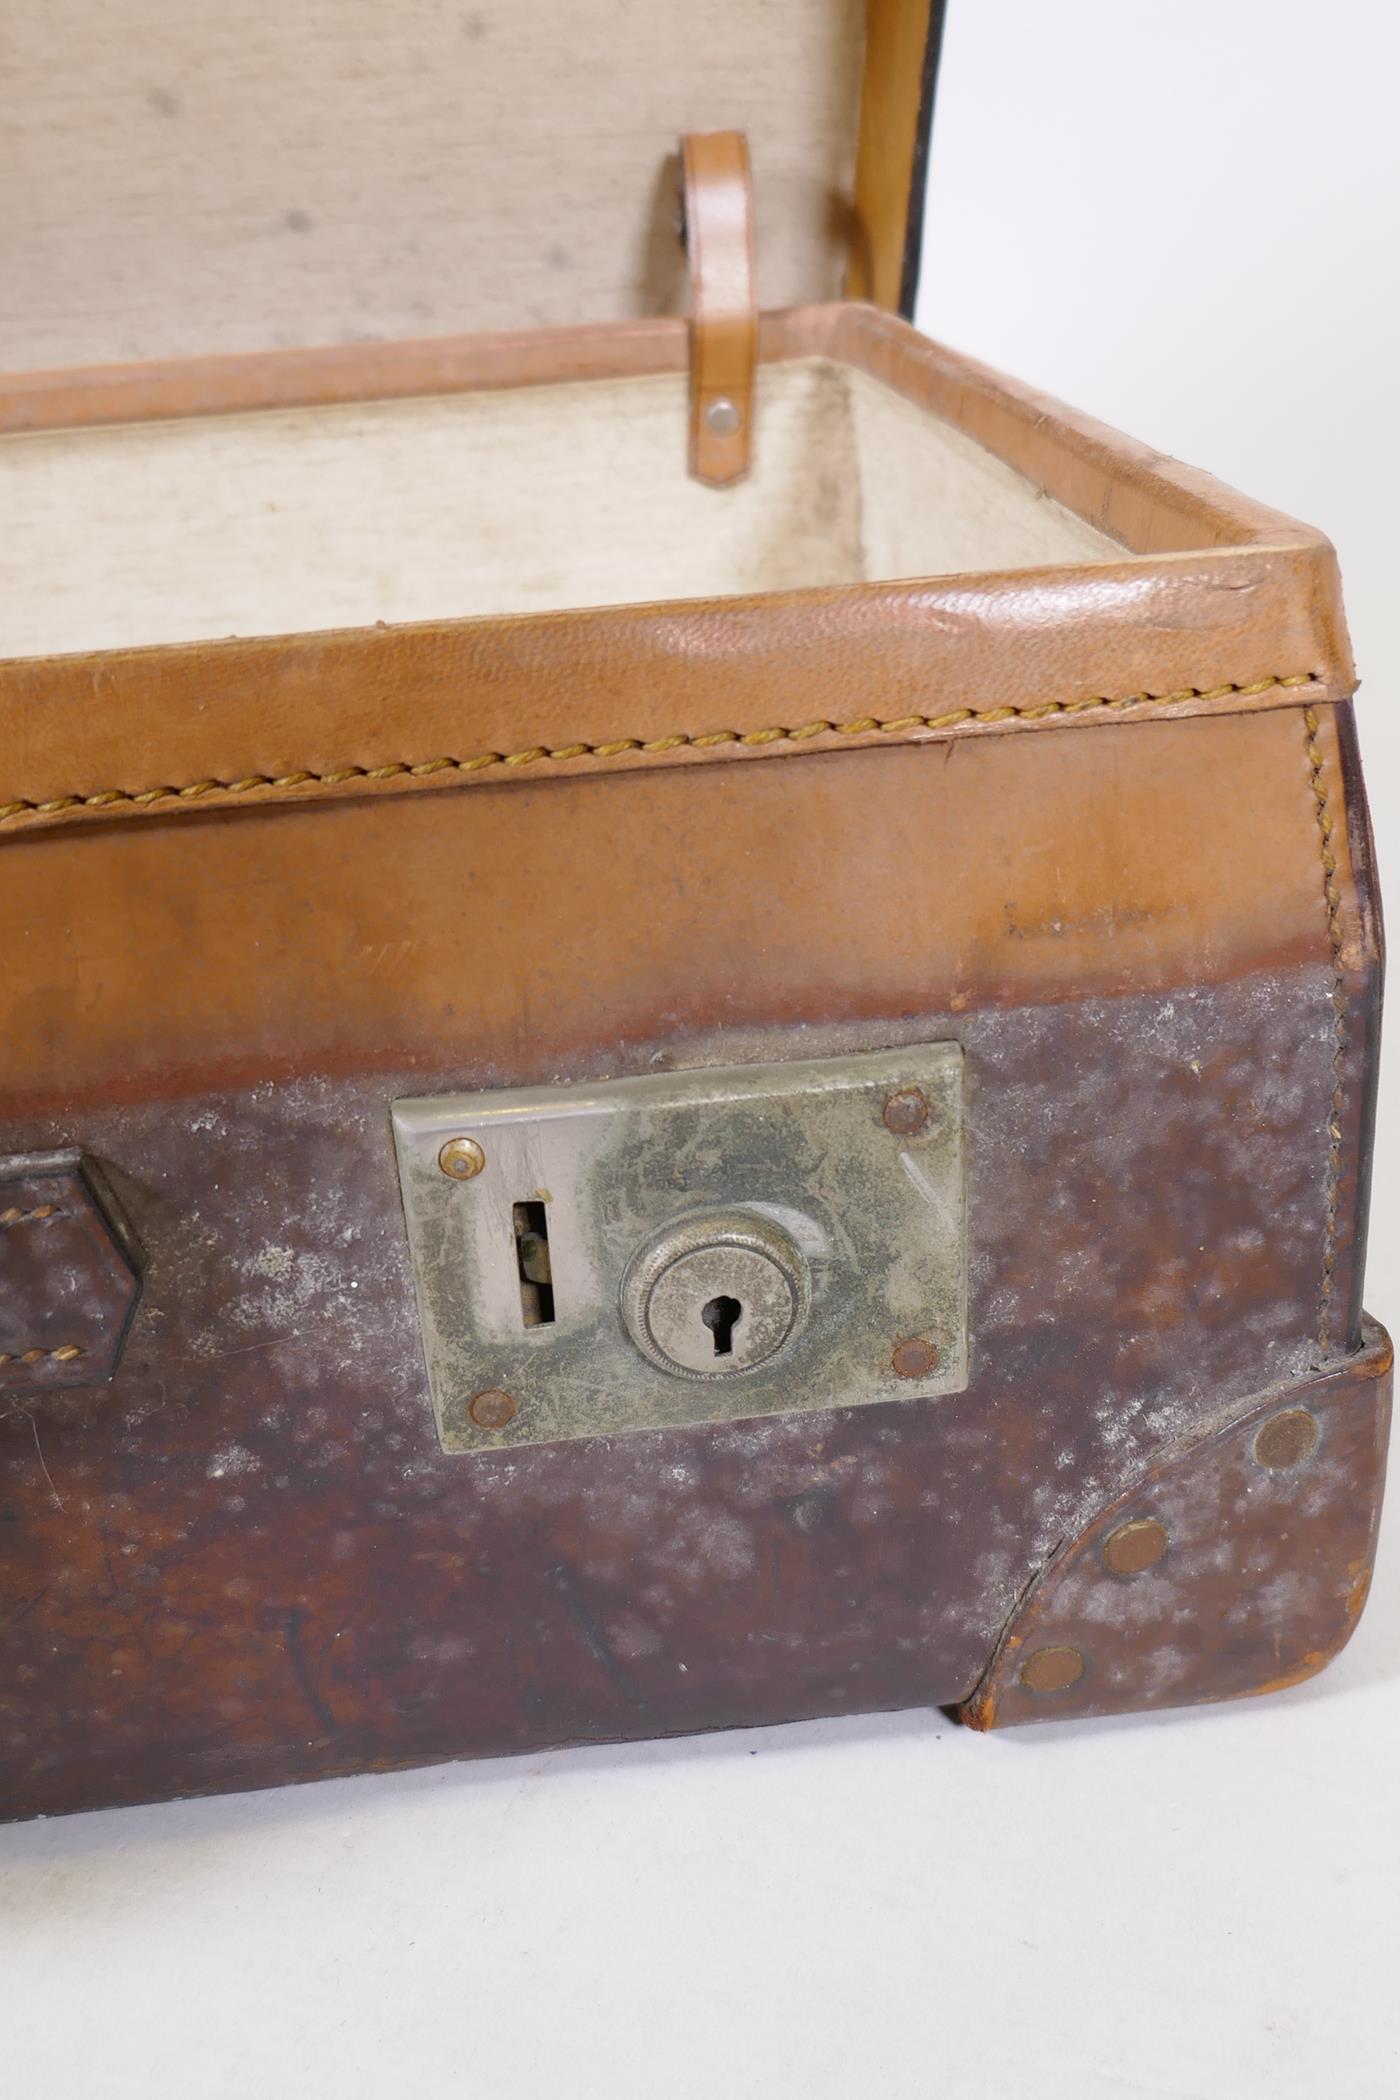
{"x":918,"y":180}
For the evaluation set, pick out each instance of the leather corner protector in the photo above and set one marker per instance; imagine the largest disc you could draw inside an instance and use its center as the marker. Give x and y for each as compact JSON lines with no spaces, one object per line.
{"x":69,"y":1274}
{"x":1235,"y":1567}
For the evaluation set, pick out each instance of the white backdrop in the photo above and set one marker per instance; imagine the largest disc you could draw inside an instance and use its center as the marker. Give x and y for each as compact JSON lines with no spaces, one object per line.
{"x":1184,"y":218}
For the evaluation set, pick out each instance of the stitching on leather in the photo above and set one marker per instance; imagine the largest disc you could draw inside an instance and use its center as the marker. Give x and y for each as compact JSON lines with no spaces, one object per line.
{"x":41,"y":1211}
{"x":1332,"y":900}
{"x":539,"y":754}
{"x":64,"y":1354}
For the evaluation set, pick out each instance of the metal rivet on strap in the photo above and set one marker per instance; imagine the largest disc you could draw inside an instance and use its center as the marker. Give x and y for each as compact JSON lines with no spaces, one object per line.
{"x":723,"y":417}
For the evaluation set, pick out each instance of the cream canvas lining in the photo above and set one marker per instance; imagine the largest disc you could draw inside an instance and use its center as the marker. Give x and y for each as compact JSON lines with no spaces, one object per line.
{"x":248,"y":175}
{"x":521,"y":501}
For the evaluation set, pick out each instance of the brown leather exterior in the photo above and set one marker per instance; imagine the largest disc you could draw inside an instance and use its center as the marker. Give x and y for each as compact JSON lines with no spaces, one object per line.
{"x":248,"y":1561}
{"x":719,"y":238}
{"x":1219,"y":607}
{"x":1102,"y":827}
{"x":1359,"y":972}
{"x":265,"y":1558}
{"x":1264,"y":1539}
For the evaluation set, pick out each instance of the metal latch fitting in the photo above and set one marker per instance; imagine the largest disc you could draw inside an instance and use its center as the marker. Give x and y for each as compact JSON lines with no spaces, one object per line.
{"x":703,"y":1246}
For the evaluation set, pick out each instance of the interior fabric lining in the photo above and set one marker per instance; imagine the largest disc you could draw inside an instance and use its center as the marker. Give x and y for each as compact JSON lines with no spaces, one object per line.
{"x":519,"y":501}
{"x":244,"y":175}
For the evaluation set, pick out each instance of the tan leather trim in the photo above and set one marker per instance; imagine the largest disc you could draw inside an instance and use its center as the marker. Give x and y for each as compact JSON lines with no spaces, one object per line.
{"x":1351,"y":953}
{"x":888,"y":159}
{"x":302,"y":784}
{"x":1151,"y":502}
{"x":719,"y":238}
{"x":89,"y":396}
{"x":1226,"y":608}
{"x":1324,"y":778}
{"x":528,"y":934}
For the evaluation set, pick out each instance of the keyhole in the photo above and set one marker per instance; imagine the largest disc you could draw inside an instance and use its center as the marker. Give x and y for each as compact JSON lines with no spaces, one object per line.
{"x":722,"y":1316}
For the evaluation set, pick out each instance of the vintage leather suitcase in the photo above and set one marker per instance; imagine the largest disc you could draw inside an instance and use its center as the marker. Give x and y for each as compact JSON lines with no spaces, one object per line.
{"x":690,"y":1004}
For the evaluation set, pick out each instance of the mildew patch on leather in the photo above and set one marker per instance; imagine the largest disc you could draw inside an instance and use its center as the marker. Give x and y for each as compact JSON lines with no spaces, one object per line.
{"x":263,"y":1567}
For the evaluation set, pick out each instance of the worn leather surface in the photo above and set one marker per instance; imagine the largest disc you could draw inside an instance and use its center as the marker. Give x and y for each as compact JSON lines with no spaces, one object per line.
{"x":1262,"y":1578}
{"x":719,"y":240}
{"x":249,"y":1561}
{"x":69,"y":1278}
{"x":1227,"y":607}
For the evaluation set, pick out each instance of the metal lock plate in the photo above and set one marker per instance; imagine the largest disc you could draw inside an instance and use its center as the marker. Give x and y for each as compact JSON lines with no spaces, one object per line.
{"x":699,"y":1246}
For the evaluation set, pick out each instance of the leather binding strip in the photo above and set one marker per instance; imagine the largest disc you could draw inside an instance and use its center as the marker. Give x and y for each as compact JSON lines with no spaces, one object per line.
{"x":302,"y":784}
{"x":717,"y":204}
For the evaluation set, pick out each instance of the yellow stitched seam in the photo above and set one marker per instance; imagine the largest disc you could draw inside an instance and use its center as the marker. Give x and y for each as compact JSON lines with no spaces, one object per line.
{"x":1332,"y":900}
{"x":705,"y":740}
{"x":15,"y":1216}
{"x":63,"y":1355}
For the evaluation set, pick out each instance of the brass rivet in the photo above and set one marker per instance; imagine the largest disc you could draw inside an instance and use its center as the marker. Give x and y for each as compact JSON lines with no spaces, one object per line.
{"x":723,"y":417}
{"x":906,"y":1113}
{"x":461,"y":1158}
{"x":1286,"y":1440}
{"x":1052,"y":1669}
{"x":492,"y":1409}
{"x":914,"y":1358}
{"x":1135,"y":1547}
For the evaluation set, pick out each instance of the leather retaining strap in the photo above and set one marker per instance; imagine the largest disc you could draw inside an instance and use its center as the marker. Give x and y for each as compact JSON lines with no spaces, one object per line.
{"x":717,"y":202}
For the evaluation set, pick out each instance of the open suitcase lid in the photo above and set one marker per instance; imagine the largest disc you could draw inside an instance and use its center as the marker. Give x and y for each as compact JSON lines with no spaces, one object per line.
{"x":470,"y":184}
{"x":241,"y":175}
